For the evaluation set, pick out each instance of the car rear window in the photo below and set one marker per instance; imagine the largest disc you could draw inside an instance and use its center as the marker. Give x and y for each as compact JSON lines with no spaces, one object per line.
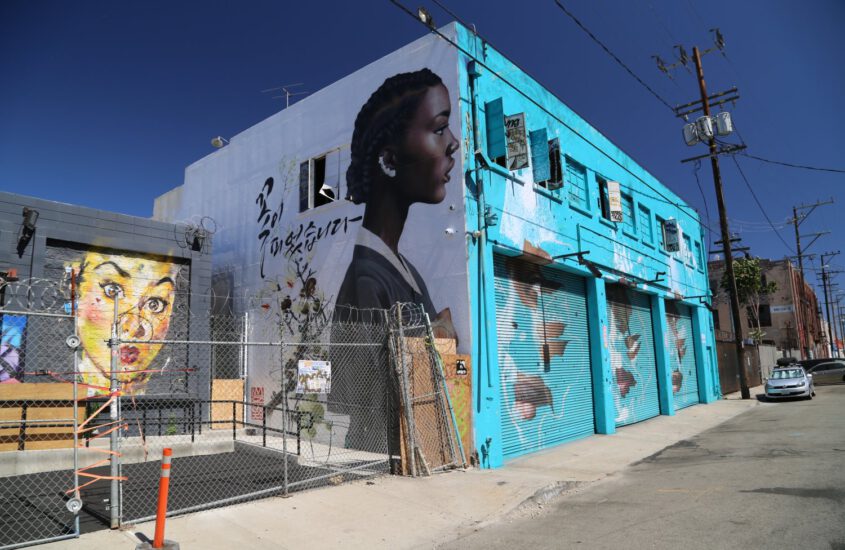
{"x":787,"y":373}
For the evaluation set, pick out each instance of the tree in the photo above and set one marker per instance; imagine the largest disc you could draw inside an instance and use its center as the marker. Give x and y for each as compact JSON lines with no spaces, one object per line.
{"x":751,"y":290}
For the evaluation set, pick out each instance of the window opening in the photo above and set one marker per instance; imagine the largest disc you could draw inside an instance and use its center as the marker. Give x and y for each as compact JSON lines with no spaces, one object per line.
{"x":320,"y":177}
{"x":603,"y":200}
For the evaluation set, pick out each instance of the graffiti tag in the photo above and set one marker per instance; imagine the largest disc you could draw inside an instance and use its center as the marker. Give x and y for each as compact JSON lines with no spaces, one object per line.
{"x":306,"y":236}
{"x":268,"y":229}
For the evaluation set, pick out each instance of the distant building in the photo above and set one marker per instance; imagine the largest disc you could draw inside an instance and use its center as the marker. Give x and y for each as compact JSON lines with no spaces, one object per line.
{"x":789,"y":318}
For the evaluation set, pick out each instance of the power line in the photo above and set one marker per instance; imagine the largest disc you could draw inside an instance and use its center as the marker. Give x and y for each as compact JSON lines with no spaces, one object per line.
{"x":763,"y":210}
{"x":613,"y":55}
{"x":685,"y":209}
{"x":802,"y":166}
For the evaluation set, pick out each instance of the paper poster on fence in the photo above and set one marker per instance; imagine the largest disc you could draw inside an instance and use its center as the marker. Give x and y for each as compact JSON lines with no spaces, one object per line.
{"x":314,"y":377}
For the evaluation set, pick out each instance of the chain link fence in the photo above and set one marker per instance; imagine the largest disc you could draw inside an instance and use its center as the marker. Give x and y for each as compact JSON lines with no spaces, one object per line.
{"x":330,"y":415}
{"x":38,"y":413}
{"x":344,"y":394}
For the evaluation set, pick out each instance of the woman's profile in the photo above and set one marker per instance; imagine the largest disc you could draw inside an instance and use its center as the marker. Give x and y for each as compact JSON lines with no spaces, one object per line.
{"x":401,"y":154}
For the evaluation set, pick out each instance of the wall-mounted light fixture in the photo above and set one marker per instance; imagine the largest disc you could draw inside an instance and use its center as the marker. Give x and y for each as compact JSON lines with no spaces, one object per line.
{"x":197,"y":239}
{"x":30,"y":219}
{"x":425,"y":17}
{"x":218,"y":142}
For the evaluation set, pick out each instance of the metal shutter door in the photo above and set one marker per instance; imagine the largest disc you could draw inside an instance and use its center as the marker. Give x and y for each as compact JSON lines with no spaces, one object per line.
{"x":681,"y":355}
{"x":632,"y":356}
{"x":544,"y":356}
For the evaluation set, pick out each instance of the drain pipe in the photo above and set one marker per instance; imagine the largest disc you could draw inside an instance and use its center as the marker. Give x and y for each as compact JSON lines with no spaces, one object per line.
{"x":481,"y":160}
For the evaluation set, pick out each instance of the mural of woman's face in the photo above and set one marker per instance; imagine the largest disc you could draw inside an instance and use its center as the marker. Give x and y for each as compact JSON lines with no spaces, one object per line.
{"x":424,"y":158}
{"x":145,"y":291}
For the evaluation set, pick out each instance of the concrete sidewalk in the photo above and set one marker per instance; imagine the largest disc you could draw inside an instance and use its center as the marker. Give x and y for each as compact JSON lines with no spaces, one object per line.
{"x":394,"y":512}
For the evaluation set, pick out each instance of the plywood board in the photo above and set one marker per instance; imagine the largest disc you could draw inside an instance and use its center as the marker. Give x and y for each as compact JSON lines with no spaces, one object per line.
{"x":445,"y":346}
{"x":35,"y":391}
{"x":458,"y":370}
{"x":226,"y":390}
{"x":37,"y":435}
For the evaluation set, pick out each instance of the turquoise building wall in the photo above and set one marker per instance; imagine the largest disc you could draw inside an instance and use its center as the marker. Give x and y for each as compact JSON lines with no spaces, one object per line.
{"x":507,"y":213}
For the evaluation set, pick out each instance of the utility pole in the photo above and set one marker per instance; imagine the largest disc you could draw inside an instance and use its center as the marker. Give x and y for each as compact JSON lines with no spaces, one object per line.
{"x":825,"y":280}
{"x":831,"y":325}
{"x":832,"y":288}
{"x":796,"y":221}
{"x":726,"y":235}
{"x":706,"y":128}
{"x":841,"y":309}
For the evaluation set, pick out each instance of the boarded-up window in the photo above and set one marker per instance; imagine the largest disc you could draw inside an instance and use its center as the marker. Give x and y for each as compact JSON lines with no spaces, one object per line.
{"x":576,"y":179}
{"x":539,"y":155}
{"x":495,"y":118}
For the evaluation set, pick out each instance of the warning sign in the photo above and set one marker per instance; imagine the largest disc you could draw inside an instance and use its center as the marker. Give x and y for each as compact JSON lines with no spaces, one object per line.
{"x":256,"y":398}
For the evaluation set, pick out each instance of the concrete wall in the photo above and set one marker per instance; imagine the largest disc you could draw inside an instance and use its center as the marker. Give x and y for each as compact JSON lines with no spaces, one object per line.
{"x":66,"y":233}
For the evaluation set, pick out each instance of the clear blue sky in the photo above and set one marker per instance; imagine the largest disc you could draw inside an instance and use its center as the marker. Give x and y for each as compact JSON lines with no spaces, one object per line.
{"x":105,"y":103}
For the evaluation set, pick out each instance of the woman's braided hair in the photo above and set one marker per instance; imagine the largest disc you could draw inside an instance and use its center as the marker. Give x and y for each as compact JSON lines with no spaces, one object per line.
{"x":382,"y":120}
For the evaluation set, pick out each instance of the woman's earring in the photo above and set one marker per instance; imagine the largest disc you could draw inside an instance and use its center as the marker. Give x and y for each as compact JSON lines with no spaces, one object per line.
{"x":388,"y":171}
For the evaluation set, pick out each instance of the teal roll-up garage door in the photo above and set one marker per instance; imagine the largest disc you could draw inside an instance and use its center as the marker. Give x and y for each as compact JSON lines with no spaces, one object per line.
{"x":544,"y":356}
{"x":632,"y":356}
{"x":681,"y":342}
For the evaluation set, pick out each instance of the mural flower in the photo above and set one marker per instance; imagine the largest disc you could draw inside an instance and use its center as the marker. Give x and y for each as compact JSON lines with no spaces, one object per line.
{"x":625,"y":380}
{"x":677,"y":380}
{"x":530,"y":392}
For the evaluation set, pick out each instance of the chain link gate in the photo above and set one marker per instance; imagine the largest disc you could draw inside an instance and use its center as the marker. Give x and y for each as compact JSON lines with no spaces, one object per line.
{"x":39,"y":413}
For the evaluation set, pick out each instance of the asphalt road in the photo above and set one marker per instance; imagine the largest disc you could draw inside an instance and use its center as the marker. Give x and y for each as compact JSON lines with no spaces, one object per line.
{"x":773,"y":477}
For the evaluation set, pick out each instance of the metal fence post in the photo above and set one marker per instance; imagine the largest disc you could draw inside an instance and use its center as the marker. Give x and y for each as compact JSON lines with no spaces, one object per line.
{"x":234,"y":419}
{"x":114,"y":463}
{"x":76,"y":351}
{"x":284,"y":416}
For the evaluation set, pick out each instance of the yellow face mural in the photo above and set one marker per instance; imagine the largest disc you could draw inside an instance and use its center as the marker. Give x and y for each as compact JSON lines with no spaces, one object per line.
{"x":145,"y":290}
